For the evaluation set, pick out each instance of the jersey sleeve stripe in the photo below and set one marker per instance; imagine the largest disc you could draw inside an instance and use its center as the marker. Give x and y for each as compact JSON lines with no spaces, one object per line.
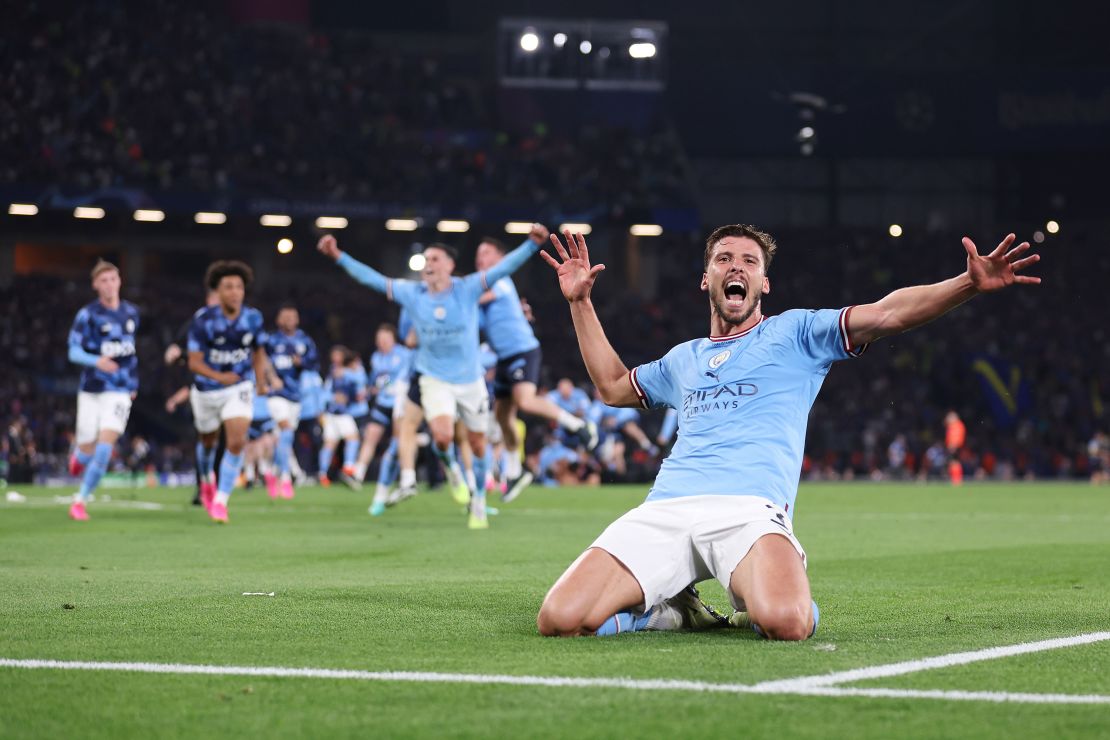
{"x":636,"y":387}
{"x":482,"y":277}
{"x":389,"y":290}
{"x":852,"y":351}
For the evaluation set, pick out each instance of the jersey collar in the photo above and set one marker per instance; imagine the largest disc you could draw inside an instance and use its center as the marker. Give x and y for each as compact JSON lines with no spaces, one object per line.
{"x":729,"y":337}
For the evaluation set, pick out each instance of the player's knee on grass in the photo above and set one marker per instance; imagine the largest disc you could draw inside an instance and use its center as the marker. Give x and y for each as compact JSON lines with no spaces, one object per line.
{"x":786,"y":621}
{"x":561,"y":617}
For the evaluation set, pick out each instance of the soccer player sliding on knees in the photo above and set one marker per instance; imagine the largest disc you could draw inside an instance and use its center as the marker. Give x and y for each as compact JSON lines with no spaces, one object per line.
{"x":722,"y":503}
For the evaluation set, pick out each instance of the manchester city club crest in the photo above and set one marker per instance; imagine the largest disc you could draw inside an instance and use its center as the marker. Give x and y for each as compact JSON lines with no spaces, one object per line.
{"x":247,"y":339}
{"x":719,"y":359}
{"x":440,"y":313}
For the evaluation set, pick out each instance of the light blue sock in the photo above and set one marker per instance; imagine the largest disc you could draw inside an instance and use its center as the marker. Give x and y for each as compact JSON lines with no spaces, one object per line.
{"x":206,"y":459}
{"x":98,"y":463}
{"x":623,"y":622}
{"x":387,"y":468}
{"x":84,"y":457}
{"x":350,"y":453}
{"x":229,"y":471}
{"x":324,"y":459}
{"x":481,"y":465}
{"x":284,"y":450}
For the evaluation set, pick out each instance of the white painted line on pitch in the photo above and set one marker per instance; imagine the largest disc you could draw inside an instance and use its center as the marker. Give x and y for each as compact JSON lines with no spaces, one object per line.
{"x":926,"y":664}
{"x":548,"y":681}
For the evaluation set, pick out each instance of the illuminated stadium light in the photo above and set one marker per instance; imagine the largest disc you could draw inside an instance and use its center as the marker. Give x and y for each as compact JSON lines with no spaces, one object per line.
{"x":518,"y":227}
{"x":275,"y":219}
{"x":560,"y":40}
{"x":402,"y":224}
{"x":148,"y":215}
{"x":645,"y":230}
{"x":585,"y":47}
{"x":22,"y":209}
{"x":331,"y":222}
{"x":210,"y":217}
{"x":1038,"y":236}
{"x":285,"y":245}
{"x":416,"y":262}
{"x":895,"y":230}
{"x":453,"y":227}
{"x":88,"y":212}
{"x":1052,"y":227}
{"x":529,"y":41}
{"x":641,"y":50}
{"x":576,"y":228}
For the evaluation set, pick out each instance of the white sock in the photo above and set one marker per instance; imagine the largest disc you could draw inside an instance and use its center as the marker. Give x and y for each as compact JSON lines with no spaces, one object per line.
{"x":381,"y":493}
{"x":470,"y":480}
{"x":222,"y":498}
{"x":77,"y":499}
{"x":360,"y":471}
{"x":512,"y":465}
{"x":570,"y":422}
{"x":478,"y":505}
{"x":408,"y":478}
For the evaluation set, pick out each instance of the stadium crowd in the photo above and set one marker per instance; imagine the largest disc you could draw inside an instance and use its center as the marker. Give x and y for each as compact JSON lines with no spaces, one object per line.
{"x":880,"y":416}
{"x":166,"y":97}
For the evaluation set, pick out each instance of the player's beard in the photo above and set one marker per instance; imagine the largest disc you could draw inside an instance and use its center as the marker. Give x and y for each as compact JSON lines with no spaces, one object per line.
{"x":718,"y":306}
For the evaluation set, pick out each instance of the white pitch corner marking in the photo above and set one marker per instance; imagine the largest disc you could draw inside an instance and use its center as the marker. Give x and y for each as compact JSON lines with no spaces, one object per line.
{"x":927,"y":664}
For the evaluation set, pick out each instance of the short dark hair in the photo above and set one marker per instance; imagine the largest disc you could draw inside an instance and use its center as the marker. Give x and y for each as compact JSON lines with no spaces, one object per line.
{"x":386,"y":326}
{"x":220,"y":269}
{"x":345,"y":352}
{"x":495,"y":243}
{"x":451,"y":251}
{"x":763,"y":239}
{"x":287,"y":306}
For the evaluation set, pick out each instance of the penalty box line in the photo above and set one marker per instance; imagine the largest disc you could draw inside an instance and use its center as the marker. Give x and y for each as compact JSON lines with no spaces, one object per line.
{"x":823,"y":685}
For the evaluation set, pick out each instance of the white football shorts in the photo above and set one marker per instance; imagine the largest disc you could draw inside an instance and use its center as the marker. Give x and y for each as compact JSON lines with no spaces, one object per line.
{"x":212,"y":408}
{"x":339,"y":426}
{"x":668,"y":545}
{"x":466,"y":401}
{"x":97,"y":411}
{"x":282,"y":409}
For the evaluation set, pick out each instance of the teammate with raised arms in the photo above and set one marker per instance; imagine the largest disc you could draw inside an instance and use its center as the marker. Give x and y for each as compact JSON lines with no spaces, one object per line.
{"x":444,"y":312}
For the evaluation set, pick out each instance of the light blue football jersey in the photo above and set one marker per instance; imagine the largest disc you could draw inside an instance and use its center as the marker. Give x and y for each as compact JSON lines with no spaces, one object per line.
{"x":386,"y":368}
{"x":578,"y":404}
{"x":506,"y":329}
{"x":743,"y":403}
{"x":446,"y":323}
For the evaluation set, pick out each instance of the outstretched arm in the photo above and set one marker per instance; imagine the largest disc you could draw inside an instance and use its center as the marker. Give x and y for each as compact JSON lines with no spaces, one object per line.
{"x":908,"y":308}
{"x":365,"y":274}
{"x":576,"y":280}
{"x":512,"y":261}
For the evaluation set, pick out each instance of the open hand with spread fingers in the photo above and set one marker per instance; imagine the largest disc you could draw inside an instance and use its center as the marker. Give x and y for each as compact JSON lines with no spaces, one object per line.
{"x":576,"y":275}
{"x":999,"y":269}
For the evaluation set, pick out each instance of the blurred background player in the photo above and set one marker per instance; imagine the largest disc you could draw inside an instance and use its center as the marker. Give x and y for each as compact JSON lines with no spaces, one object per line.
{"x":955,"y":434}
{"x":390,"y":366}
{"x":225,"y":357}
{"x":614,"y":424}
{"x":519,"y":359}
{"x":345,"y":394}
{"x":258,"y":455}
{"x":102,"y":340}
{"x":444,"y":313}
{"x":291,"y":352}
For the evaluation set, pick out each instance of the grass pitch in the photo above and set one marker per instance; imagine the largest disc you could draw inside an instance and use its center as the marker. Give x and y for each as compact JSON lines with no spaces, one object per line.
{"x":900,"y":572}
